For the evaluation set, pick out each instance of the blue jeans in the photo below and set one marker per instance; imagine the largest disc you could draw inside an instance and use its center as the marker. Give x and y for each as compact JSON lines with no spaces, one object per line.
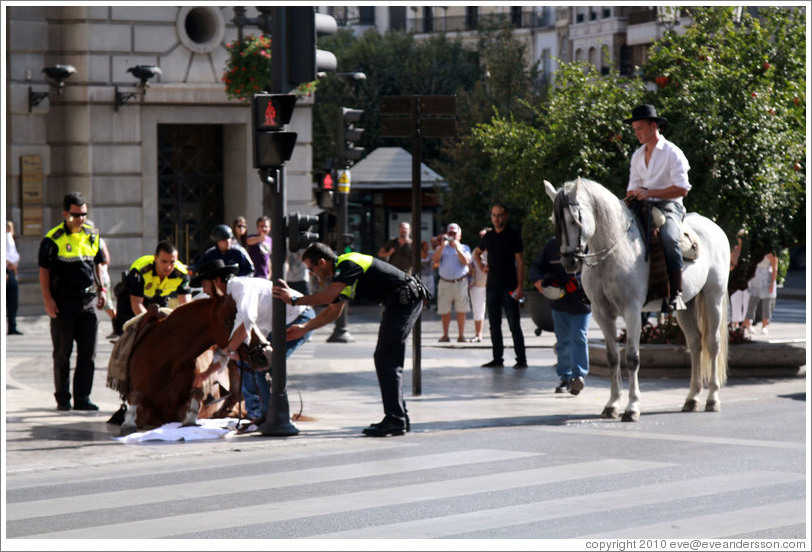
{"x":572,"y":348}
{"x":255,"y":388}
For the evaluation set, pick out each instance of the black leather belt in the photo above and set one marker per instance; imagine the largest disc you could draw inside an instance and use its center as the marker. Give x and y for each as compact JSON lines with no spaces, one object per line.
{"x":457,"y":280}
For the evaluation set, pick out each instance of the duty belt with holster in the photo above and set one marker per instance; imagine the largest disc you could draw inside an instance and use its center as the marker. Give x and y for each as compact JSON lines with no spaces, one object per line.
{"x":412,"y":290}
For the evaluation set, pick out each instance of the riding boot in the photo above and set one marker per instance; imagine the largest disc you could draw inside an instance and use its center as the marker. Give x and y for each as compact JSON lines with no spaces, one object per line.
{"x":675,"y":301}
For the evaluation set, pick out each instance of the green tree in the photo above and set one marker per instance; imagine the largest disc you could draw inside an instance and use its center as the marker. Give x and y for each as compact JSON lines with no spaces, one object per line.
{"x":733,"y":89}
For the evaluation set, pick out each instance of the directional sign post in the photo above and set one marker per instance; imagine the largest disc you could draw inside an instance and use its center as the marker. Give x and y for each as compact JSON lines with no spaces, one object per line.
{"x":417,"y":117}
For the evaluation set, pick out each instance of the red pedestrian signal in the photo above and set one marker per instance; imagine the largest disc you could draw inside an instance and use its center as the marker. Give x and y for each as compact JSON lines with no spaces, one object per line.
{"x":272,"y":111}
{"x":327,"y":182}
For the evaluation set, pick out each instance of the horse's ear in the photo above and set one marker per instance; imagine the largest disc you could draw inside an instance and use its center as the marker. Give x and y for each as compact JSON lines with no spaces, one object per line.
{"x":550,"y":190}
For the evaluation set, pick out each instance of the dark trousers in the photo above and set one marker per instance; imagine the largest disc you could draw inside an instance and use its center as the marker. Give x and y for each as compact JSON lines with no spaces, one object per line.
{"x":496,"y":300}
{"x":397,"y":322}
{"x":77,"y":322}
{"x":12,"y":300}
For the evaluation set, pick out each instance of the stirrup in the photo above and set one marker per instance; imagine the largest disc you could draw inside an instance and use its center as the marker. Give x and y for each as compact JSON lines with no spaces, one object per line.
{"x":675,"y":303}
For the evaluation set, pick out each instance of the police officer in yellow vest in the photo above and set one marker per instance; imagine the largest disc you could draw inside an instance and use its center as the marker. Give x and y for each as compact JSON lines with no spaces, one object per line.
{"x":356,"y":275}
{"x":153,"y":279}
{"x":70,"y":278}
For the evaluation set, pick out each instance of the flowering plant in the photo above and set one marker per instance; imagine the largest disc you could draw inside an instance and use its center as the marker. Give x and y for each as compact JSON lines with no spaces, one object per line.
{"x":248,"y":69}
{"x":670,"y":333}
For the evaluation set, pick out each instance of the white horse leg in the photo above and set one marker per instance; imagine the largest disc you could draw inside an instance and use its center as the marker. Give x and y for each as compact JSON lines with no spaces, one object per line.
{"x":191,"y":412}
{"x":688,"y":322}
{"x":128,"y":425}
{"x":715,"y":339}
{"x":607,"y":325}
{"x":633,"y":321}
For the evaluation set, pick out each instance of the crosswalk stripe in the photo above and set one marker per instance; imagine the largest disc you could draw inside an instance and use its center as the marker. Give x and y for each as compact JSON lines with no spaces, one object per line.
{"x":390,"y":496}
{"x":249,"y":483}
{"x":584,"y":505}
{"x":718,"y":526}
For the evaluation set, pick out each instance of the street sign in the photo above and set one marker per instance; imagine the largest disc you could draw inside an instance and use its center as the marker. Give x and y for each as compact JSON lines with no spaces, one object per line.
{"x":397,"y":105}
{"x":344,"y":182}
{"x":396,"y":127}
{"x":438,"y":105}
{"x":437,"y":127}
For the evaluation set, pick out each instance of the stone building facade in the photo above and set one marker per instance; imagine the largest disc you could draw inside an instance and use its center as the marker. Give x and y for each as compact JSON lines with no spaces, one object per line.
{"x":167,"y":164}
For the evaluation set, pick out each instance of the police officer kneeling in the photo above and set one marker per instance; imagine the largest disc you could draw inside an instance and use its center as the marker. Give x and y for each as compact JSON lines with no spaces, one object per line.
{"x":356,"y":275}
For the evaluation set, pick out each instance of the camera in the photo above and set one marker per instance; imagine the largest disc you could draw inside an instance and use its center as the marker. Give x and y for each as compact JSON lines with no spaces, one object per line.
{"x":446,"y":238}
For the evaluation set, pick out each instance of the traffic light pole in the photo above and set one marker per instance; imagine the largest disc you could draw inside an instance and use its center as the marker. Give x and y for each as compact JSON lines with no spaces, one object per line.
{"x":277,"y":419}
{"x":340,"y":332}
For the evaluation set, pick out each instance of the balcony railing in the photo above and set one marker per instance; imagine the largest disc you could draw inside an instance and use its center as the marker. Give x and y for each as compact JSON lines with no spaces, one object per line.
{"x":528,"y":20}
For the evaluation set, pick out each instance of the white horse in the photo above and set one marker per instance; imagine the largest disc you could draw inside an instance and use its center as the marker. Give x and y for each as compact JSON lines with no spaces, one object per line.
{"x":615,"y":275}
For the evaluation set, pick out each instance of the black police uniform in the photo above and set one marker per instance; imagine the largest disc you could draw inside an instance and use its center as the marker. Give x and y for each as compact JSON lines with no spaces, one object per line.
{"x":71,"y":259}
{"x":142,"y":281}
{"x":402,"y":297}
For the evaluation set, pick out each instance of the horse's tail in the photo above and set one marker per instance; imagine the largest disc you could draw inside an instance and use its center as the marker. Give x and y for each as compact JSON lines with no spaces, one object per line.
{"x":705,"y":360}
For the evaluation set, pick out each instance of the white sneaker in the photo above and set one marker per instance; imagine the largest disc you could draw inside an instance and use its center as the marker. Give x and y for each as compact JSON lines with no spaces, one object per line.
{"x":764,"y":330}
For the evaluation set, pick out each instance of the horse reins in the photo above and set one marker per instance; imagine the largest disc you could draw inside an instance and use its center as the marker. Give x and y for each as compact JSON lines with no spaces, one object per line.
{"x":579,"y":252}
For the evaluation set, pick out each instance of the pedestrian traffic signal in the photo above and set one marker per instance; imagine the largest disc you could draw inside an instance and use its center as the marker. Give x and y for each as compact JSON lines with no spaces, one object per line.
{"x":299,"y":234}
{"x":271,"y":112}
{"x":304,"y":60}
{"x":348,"y":135}
{"x":323,"y":191}
{"x":325,"y":180}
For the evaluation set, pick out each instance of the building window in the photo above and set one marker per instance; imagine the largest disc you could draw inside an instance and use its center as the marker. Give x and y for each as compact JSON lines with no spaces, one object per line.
{"x":397,"y":18}
{"x":607,"y":13}
{"x":516,"y":16}
{"x":428,"y":19}
{"x":366,"y":15}
{"x":471,"y":18}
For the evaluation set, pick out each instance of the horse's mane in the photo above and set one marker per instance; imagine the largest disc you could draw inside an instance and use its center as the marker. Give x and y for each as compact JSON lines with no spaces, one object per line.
{"x":610,"y":211}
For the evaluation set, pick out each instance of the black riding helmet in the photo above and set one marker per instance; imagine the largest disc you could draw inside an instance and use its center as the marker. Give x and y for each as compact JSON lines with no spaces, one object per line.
{"x":221,"y":232}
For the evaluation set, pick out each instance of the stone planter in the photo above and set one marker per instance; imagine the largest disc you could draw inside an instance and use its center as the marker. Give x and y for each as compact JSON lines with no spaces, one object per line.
{"x":757,"y":359}
{"x":540,"y":311}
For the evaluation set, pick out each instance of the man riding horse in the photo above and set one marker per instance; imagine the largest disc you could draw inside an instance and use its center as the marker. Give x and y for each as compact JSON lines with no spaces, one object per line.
{"x":659,"y":174}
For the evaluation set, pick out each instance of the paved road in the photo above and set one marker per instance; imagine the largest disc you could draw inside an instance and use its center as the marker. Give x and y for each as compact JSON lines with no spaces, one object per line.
{"x":492,"y":455}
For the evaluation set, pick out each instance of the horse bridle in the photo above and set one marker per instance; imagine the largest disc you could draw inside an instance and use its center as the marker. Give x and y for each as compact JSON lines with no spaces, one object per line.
{"x":579,"y":252}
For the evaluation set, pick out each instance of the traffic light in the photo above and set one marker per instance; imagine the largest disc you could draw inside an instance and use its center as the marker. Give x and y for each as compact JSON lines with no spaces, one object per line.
{"x":299,"y":235}
{"x":325,"y":184}
{"x":348,"y":135}
{"x":304,"y":59}
{"x":272,"y":146}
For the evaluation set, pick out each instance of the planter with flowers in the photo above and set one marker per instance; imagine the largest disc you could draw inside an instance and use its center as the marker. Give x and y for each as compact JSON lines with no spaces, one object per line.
{"x":248,"y":69}
{"x":663,"y":354}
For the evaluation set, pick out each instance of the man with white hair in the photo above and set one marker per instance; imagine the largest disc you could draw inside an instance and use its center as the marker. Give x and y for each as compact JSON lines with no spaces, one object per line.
{"x":454,"y":260}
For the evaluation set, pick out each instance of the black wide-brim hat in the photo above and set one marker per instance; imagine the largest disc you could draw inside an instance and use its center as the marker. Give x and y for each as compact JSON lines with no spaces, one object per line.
{"x":645,"y":111}
{"x":211,"y":270}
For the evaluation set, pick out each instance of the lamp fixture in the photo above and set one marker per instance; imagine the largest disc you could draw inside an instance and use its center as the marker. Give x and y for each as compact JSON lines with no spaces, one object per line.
{"x":57,"y":75}
{"x":143,"y":73}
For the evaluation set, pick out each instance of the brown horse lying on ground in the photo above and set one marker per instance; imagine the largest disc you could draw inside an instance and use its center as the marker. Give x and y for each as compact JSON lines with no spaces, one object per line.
{"x":164,"y":361}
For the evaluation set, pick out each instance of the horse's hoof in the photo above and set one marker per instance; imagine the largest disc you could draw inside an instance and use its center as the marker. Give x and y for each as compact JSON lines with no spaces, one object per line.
{"x":126,"y":429}
{"x":631,"y":417}
{"x":713,"y":407}
{"x":609,"y":413}
{"x":690,"y":406}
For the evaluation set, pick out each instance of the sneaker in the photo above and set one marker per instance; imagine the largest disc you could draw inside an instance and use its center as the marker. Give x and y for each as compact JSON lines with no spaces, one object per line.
{"x":493,"y":364}
{"x":520,"y":365}
{"x":563,"y":387}
{"x":443,"y":339}
{"x":475,"y":339}
{"x":385,"y":427}
{"x":576,"y":385}
{"x":764,"y":330}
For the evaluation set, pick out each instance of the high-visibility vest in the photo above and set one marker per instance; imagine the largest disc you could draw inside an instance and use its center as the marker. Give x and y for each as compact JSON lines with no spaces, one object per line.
{"x":81,"y":246}
{"x":153,"y":285}
{"x":364,"y":261}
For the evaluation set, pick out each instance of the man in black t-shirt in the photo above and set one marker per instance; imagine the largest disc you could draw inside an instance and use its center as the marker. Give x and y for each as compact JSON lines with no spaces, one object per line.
{"x":357,"y":275}
{"x":503,"y":290}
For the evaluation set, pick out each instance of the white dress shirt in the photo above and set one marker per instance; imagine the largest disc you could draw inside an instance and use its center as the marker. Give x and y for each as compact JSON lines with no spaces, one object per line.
{"x":12,"y":255}
{"x":254,"y":299}
{"x":666,"y":167}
